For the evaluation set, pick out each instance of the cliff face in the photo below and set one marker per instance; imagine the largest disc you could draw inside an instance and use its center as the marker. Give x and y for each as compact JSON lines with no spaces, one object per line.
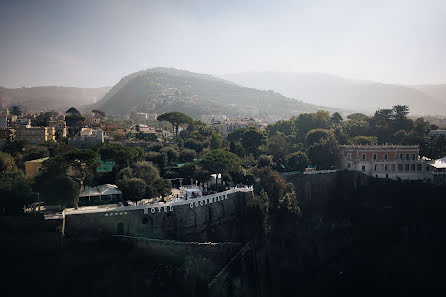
{"x":357,"y":234}
{"x":354,"y":234}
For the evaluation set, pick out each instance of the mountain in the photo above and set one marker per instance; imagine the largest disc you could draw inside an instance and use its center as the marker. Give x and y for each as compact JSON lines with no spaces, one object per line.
{"x":437,"y":92}
{"x":166,"y":89}
{"x":51,"y":97}
{"x":338,"y":92}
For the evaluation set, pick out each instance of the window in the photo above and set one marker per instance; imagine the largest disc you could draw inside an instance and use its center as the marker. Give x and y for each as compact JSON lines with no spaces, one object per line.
{"x":374,"y":156}
{"x":386,"y":157}
{"x":349,"y":156}
{"x":374,"y":168}
{"x":406,"y":167}
{"x":413,"y":156}
{"x":407,"y":157}
{"x":363,"y":168}
{"x":412,"y":167}
{"x":349,"y":165}
{"x":401,"y":156}
{"x":385,"y":168}
{"x":363,"y":156}
{"x":418,"y":167}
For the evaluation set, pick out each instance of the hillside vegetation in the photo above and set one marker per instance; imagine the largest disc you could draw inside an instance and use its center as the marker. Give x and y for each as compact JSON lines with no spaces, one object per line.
{"x":163,"y":89}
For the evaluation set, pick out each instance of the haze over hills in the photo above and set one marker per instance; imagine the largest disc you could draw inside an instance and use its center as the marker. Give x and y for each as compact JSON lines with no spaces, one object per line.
{"x":50,"y":97}
{"x":167,"y":89}
{"x":435,"y":91}
{"x":338,"y":92}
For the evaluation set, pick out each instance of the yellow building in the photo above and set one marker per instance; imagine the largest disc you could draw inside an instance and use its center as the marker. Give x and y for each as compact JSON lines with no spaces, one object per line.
{"x":33,"y":167}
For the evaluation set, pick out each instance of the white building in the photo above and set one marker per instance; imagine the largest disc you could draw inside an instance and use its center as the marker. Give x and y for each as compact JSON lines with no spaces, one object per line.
{"x":87,"y":138}
{"x":383,"y":161}
{"x":228,"y":125}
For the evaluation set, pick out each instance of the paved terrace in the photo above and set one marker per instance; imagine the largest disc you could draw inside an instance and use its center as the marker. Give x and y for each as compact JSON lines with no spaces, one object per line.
{"x":160,"y":205}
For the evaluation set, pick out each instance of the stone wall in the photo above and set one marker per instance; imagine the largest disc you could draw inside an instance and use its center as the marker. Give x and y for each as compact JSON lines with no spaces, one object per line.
{"x":217,"y":221}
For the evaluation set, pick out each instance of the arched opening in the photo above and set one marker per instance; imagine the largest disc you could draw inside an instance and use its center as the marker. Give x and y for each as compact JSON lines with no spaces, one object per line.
{"x":120,"y":228}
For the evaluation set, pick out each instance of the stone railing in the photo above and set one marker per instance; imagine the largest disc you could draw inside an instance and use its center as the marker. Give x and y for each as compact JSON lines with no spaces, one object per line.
{"x":322,"y":171}
{"x":160,"y":206}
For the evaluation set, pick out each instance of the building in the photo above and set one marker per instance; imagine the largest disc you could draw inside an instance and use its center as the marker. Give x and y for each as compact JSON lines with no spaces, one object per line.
{"x":3,"y":121}
{"x":436,"y":171}
{"x":103,"y":194}
{"x":35,"y":134}
{"x":87,"y":138}
{"x":226,"y":126}
{"x":139,"y":115}
{"x":59,"y":124}
{"x":33,"y":167}
{"x":20,"y":123}
{"x":383,"y":161}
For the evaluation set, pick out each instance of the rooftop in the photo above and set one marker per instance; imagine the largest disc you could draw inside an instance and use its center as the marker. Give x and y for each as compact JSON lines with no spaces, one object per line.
{"x":384,"y":146}
{"x":38,"y":160}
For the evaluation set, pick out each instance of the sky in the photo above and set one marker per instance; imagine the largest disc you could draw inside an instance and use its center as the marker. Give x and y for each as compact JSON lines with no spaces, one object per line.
{"x":95,"y":43}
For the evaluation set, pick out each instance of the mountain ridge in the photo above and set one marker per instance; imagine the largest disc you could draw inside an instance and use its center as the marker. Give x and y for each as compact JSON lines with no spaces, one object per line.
{"x":45,"y":98}
{"x":199,"y":94}
{"x":344,"y":93}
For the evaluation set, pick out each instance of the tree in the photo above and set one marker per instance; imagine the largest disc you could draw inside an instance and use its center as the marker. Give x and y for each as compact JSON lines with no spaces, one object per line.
{"x":365,"y":140}
{"x":186,"y":155}
{"x":336,"y":118}
{"x":72,"y":111}
{"x":265,"y":160}
{"x":74,"y":120}
{"x":315,"y":135}
{"x":398,"y":136}
{"x":15,"y":192}
{"x":162,"y":187}
{"x":236,"y":135}
{"x":278,"y":146}
{"x":57,"y":190}
{"x":297,"y":161}
{"x":421,"y":127}
{"x":120,"y":154}
{"x":159,"y":159}
{"x":43,"y":119}
{"x":357,"y":116}
{"x":133,"y":189}
{"x":282,"y":126}
{"x":400,"y":120}
{"x":7,"y":163}
{"x":34,"y":152}
{"x":77,"y":165}
{"x":236,"y":148}
{"x":281,"y":195}
{"x":143,"y":170}
{"x":176,"y":119}
{"x":216,"y":141}
{"x":220,"y":161}
{"x":172,"y":154}
{"x":308,"y":121}
{"x":323,"y":154}
{"x":252,"y":139}
{"x":16,"y":110}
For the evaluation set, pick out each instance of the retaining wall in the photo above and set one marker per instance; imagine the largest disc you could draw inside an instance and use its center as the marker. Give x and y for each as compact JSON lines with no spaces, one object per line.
{"x":210,"y":218}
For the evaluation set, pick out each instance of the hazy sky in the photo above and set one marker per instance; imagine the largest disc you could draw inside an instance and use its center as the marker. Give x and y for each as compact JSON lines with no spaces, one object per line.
{"x":95,"y":43}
